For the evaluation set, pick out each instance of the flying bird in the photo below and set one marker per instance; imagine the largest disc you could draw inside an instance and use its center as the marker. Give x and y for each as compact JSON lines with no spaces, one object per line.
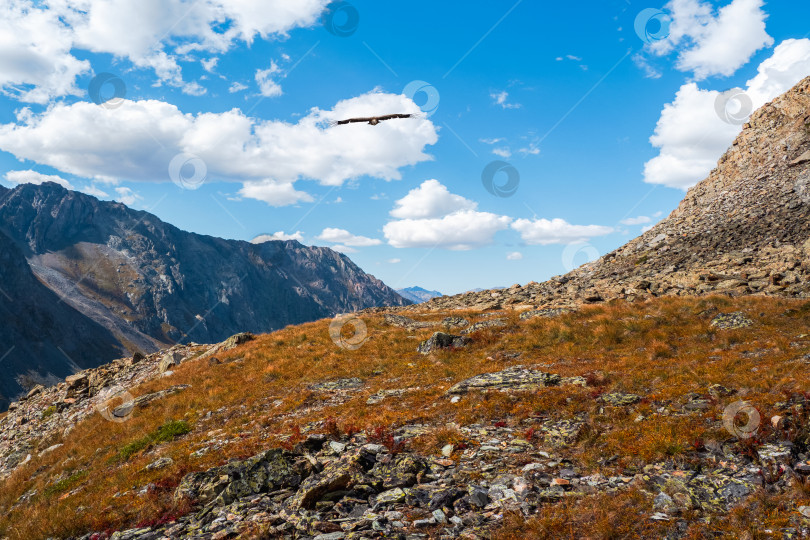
{"x":372,"y":120}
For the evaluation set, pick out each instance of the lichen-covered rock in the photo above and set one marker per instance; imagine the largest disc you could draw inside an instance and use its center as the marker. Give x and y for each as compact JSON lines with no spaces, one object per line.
{"x":401,"y":470}
{"x":513,"y":378}
{"x":731,"y":321}
{"x":481,"y":325}
{"x":440,"y":340}
{"x":562,"y":433}
{"x":545,"y":312}
{"x":352,"y":383}
{"x":344,"y":473}
{"x":406,"y":322}
{"x":455,"y":322}
{"x":619,"y":399}
{"x":271,"y":470}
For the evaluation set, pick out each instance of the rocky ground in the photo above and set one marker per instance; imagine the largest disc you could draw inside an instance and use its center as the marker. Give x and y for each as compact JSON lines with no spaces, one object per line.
{"x":743,"y":230}
{"x":328,"y":480}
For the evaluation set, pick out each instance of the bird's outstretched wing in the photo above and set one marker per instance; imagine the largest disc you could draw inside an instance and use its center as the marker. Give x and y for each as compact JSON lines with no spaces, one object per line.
{"x":373,"y":120}
{"x":353,"y":121}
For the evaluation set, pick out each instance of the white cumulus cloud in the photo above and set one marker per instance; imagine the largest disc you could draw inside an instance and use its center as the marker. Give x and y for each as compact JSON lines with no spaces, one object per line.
{"x":138,"y":140}
{"x":344,"y":237}
{"x":463,"y":230}
{"x":280,"y":235}
{"x":34,"y":177}
{"x":714,"y":43}
{"x":429,"y":200}
{"x":556,"y":231}
{"x":39,"y":41}
{"x":691,"y":136}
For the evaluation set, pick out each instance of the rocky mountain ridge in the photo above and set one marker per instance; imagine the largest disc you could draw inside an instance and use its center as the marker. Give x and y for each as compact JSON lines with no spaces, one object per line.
{"x":745,"y":229}
{"x":149,"y":284}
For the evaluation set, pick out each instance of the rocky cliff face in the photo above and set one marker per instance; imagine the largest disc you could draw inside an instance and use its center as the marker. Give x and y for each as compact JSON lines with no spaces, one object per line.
{"x":149,"y":284}
{"x":41,"y":338}
{"x":743,"y":230}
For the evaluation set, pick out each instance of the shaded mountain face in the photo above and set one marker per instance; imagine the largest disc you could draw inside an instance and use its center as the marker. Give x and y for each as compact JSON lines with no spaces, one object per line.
{"x":743,"y":230}
{"x":418,"y":294}
{"x":42,"y":339}
{"x":150,"y":284}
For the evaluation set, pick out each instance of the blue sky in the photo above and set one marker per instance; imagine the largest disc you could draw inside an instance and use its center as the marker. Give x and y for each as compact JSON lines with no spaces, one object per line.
{"x":224,"y":128}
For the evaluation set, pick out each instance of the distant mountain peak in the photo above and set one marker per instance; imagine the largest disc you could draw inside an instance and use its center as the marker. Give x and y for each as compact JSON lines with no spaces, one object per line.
{"x":417,"y":295}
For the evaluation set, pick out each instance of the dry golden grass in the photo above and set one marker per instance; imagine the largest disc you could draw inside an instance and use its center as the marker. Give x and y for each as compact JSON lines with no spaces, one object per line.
{"x":259,"y":398}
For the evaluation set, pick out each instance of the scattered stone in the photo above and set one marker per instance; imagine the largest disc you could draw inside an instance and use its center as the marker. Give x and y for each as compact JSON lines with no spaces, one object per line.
{"x":545,"y":312}
{"x":731,"y":321}
{"x":440,"y":340}
{"x":352,"y":383}
{"x":481,"y":325}
{"x":455,"y":322}
{"x":619,"y":399}
{"x":513,"y":378}
{"x":158,"y":464}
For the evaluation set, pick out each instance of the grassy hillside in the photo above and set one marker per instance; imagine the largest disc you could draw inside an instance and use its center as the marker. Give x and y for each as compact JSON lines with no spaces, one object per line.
{"x":265,"y":394}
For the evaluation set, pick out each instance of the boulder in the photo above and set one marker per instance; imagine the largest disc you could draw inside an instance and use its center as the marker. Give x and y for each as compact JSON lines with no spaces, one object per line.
{"x":440,"y":340}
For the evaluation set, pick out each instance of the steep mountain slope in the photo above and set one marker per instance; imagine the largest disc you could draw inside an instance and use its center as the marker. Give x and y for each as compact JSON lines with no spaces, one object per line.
{"x":744,"y":229}
{"x":418,"y":294}
{"x":150,"y":284}
{"x":42,"y":339}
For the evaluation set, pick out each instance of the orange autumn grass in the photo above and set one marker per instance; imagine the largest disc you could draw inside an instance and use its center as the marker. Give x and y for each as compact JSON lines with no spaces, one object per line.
{"x":259,"y":397}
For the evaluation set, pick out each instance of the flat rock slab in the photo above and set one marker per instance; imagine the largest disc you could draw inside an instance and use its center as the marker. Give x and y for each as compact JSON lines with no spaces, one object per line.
{"x":731,"y":321}
{"x":352,"y":383}
{"x":545,"y":312}
{"x":402,"y":321}
{"x":619,"y":399}
{"x":492,"y":323}
{"x":514,"y":378}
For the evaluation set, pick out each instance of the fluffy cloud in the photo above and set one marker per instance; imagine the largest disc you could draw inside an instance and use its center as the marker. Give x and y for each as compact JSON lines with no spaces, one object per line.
{"x":280,"y":235}
{"x":127,"y":196}
{"x":139,"y":139}
{"x":430,"y":200}
{"x":462,"y":230}
{"x":556,"y":231}
{"x":691,"y":136}
{"x":36,"y":64}
{"x":502,"y":99}
{"x":431,"y":216}
{"x":264,"y":78}
{"x":714,"y":43}
{"x":34,"y":177}
{"x":514,"y":256}
{"x":640,"y":220}
{"x":37,"y":39}
{"x":344,"y":237}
